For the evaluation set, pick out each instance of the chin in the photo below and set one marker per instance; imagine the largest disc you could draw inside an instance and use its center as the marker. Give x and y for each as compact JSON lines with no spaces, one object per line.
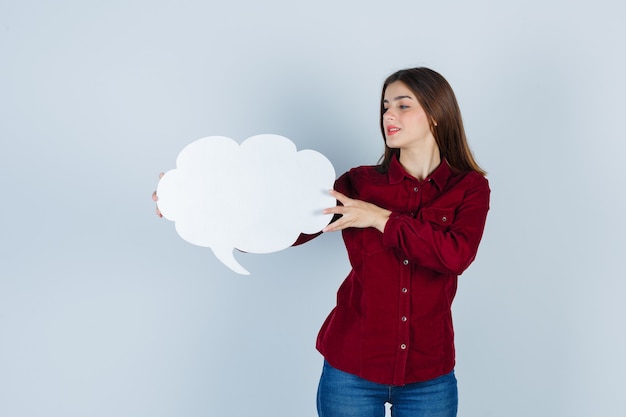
{"x":391,"y":144}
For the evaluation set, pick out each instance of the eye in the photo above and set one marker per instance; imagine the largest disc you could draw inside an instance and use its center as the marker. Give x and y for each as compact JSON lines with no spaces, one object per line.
{"x":385,"y":109}
{"x":403,"y":106}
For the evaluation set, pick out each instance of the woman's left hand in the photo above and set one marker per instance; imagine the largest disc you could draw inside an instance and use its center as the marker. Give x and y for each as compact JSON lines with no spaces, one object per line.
{"x":356,"y":213}
{"x":155,"y":197}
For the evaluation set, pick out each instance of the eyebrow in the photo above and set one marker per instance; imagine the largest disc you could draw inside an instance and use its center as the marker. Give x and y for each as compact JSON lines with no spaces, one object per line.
{"x":398,"y":98}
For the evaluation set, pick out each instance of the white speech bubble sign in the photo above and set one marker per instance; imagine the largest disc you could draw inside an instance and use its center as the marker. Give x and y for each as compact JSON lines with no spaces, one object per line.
{"x":256,"y":197}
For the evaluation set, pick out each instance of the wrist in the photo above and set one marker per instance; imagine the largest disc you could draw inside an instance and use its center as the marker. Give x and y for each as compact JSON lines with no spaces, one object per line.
{"x":381,"y":220}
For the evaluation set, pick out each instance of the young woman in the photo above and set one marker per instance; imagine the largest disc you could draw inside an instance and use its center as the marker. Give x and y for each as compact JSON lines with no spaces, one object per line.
{"x":411,"y":225}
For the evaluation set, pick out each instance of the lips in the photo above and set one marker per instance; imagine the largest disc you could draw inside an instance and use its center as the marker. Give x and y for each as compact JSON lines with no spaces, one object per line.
{"x":392,"y":130}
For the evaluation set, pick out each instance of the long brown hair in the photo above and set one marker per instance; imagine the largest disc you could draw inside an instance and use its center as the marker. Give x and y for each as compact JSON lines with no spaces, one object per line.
{"x":439,"y":102}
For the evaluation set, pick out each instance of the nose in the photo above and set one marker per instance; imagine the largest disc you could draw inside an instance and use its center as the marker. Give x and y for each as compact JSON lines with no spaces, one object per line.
{"x":389,"y":115}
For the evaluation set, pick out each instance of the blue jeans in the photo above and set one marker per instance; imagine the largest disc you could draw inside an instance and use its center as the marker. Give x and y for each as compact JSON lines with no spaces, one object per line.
{"x":341,"y":394}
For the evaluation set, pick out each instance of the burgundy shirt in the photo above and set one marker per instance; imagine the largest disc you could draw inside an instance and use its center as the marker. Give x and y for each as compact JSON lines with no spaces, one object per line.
{"x":393,"y":322}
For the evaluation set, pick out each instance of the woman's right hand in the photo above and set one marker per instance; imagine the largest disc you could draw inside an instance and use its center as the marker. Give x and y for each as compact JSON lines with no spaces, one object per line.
{"x":155,"y":197}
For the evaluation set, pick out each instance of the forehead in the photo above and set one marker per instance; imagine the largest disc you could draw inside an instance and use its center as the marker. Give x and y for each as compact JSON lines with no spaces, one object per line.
{"x":397,"y":89}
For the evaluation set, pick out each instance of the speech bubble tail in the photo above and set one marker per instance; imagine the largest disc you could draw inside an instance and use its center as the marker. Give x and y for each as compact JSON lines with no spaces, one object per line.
{"x":227,"y":258}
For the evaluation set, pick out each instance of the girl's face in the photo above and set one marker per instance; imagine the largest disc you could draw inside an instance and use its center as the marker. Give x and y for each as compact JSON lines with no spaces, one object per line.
{"x":405,"y":122}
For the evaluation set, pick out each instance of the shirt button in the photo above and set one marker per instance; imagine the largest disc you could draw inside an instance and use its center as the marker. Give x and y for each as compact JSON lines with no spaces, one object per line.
{"x":403,"y":346}
{"x":403,"y":318}
{"x":444,"y":219}
{"x":406,"y":262}
{"x":416,"y":189}
{"x":404,"y":290}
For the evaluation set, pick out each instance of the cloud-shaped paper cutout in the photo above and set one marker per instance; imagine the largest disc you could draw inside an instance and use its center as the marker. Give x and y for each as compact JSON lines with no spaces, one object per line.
{"x":256,"y":197}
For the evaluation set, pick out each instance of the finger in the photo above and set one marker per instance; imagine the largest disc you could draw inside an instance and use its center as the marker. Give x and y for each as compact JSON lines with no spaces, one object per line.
{"x":334,"y":227}
{"x":155,"y":197}
{"x":334,"y":210}
{"x":161,"y":175}
{"x":158,"y":212}
{"x":341,"y":223}
{"x":339,"y":197}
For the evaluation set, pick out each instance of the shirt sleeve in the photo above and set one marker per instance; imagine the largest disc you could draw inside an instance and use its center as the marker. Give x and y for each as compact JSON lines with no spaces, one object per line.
{"x":434,"y":245}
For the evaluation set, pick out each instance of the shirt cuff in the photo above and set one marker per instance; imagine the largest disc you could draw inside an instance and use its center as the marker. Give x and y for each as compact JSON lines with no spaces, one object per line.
{"x":391,"y":232}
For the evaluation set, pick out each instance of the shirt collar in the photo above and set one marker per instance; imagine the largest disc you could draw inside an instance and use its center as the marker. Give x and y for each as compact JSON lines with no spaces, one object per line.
{"x":439,"y":176}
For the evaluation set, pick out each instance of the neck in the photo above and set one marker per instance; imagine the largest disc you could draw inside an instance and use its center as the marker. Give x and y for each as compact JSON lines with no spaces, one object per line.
{"x":420,"y":163}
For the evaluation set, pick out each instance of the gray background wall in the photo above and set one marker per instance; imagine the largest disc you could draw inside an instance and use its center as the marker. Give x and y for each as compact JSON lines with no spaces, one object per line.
{"x":105,"y":311}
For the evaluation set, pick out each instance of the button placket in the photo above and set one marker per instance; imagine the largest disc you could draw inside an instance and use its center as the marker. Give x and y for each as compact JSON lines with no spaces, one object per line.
{"x":403,"y":330}
{"x":414,"y":195}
